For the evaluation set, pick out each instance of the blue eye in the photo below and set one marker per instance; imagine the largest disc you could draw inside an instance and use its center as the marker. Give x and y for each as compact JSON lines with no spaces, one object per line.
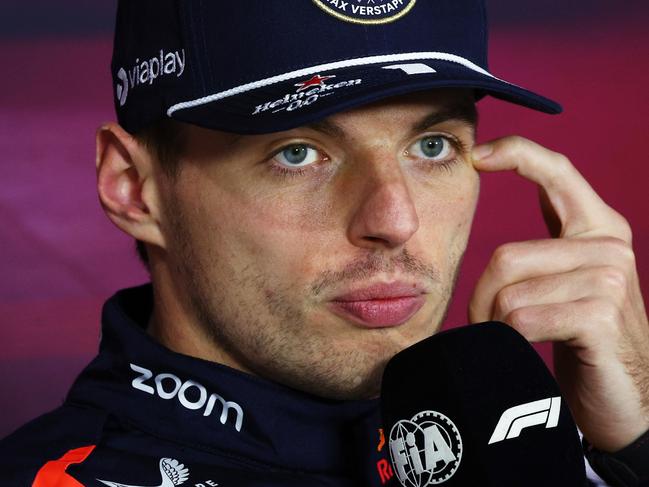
{"x":434,"y":147}
{"x":297,"y":155}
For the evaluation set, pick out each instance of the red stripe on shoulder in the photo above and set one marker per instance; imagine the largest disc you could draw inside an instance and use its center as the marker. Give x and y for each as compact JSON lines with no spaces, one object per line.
{"x":52,"y":474}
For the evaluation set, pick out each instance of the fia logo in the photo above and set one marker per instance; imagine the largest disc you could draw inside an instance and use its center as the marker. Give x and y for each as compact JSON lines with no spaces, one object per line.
{"x":425,"y":450}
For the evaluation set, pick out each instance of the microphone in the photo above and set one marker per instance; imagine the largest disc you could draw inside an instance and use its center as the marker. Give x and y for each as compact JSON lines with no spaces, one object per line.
{"x":476,"y":406}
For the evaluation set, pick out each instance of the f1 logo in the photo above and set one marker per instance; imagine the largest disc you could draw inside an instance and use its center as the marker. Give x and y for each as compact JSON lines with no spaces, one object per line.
{"x":517,"y":418}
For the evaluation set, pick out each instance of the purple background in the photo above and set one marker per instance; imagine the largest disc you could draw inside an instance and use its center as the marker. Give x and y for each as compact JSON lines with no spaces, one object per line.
{"x":61,"y":258}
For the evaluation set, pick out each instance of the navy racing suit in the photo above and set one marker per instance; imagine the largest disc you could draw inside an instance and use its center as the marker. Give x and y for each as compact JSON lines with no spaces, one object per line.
{"x":142,"y":415}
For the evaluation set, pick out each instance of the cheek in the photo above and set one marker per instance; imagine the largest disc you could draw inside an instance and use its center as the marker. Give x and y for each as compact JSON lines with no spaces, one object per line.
{"x":272,"y":235}
{"x":446,"y":213}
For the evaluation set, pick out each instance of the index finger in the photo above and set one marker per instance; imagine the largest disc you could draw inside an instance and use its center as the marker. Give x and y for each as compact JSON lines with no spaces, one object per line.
{"x":578,"y":207}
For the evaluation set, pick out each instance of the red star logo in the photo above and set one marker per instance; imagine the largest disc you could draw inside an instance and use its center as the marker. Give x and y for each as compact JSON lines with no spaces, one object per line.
{"x":317,"y":80}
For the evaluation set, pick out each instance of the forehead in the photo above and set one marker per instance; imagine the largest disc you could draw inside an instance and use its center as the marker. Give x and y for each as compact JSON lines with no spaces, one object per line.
{"x":421,"y":101}
{"x":412,"y":112}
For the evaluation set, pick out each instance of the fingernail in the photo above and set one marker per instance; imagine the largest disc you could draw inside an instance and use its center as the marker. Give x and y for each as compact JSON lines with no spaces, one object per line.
{"x":482,"y":151}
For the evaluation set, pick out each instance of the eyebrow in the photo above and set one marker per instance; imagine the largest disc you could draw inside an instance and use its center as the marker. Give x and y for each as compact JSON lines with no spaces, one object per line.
{"x":327,"y":127}
{"x":465,"y":113}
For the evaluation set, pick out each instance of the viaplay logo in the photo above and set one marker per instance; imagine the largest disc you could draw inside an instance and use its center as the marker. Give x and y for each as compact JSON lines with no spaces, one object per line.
{"x":122,"y":87}
{"x":425,"y":450}
{"x":148,"y":72}
{"x":366,"y":11}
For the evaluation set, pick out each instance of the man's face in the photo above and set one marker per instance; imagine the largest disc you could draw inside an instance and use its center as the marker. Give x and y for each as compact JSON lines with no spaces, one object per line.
{"x":312,"y":256}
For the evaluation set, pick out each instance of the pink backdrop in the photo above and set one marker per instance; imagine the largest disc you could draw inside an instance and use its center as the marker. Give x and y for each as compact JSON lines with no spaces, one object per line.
{"x":61,"y":258}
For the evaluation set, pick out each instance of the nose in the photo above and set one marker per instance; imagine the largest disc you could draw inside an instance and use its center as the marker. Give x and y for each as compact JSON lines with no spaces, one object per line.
{"x":385,"y":216}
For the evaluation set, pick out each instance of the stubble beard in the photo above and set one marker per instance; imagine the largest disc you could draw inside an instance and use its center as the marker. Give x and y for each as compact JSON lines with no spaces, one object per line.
{"x":267,"y":335}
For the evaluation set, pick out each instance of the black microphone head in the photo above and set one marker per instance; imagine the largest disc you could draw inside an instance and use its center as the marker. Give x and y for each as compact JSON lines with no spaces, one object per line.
{"x":476,"y":406}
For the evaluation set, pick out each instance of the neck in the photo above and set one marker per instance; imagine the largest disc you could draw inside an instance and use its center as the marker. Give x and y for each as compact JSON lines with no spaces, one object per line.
{"x":175,"y":325}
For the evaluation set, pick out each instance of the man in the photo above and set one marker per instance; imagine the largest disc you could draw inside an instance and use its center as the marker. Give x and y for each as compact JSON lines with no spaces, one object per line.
{"x":301,"y":177}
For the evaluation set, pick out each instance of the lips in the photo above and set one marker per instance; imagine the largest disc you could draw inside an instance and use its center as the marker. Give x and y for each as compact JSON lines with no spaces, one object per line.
{"x":380,"y":305}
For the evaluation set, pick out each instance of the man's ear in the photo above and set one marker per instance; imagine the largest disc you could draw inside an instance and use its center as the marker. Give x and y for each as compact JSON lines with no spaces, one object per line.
{"x":126,"y":184}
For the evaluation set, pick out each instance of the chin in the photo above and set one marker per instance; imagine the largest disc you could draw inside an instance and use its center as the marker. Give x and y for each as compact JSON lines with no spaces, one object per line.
{"x":359,"y":388}
{"x":362,"y":379}
{"x":347,"y":375}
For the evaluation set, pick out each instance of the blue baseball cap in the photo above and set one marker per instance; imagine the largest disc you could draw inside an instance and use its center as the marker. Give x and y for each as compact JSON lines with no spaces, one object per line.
{"x":260,"y":66}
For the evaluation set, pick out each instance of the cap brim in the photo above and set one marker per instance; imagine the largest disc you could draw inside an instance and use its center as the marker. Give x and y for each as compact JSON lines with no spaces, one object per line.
{"x":291,"y":100}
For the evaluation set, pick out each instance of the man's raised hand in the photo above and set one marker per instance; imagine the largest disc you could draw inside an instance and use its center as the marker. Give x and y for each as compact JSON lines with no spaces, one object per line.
{"x":580,"y":291}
